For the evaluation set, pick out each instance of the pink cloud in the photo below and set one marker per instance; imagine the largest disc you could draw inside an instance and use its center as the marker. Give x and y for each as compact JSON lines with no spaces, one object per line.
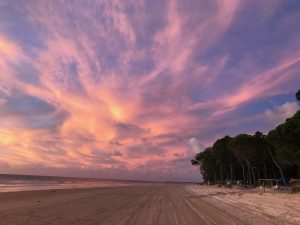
{"x":2,"y":101}
{"x":134,"y":86}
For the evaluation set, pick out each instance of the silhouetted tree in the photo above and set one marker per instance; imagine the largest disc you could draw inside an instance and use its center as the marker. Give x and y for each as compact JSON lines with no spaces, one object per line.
{"x":224,"y":158}
{"x":243,"y":147}
{"x":285,"y":140}
{"x":270,"y":156}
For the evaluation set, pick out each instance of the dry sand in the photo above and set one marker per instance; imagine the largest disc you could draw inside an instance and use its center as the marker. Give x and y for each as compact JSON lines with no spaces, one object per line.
{"x":281,"y":207}
{"x":136,"y":205}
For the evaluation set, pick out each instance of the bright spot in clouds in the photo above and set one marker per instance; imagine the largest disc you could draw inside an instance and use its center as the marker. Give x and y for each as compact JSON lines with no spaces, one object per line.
{"x":121,"y":89}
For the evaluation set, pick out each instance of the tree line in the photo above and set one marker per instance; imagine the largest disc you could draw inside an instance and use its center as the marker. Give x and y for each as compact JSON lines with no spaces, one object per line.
{"x":249,"y":158}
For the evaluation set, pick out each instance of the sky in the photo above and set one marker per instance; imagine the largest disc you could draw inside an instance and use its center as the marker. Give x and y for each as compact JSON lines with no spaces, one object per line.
{"x":134,"y":89}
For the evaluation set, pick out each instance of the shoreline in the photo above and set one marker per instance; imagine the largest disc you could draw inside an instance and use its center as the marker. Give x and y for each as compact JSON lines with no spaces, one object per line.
{"x":16,"y":182}
{"x":13,"y":189}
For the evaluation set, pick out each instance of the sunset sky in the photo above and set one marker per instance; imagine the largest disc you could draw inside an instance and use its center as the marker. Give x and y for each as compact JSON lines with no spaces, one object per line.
{"x":133,"y":89}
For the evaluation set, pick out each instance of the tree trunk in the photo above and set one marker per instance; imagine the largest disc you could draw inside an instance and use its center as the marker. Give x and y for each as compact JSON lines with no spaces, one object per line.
{"x":274,"y":174}
{"x":277,"y":165}
{"x":215,"y":177}
{"x":244,"y":178}
{"x":259,"y":173}
{"x":231,"y":170}
{"x":253,"y":175}
{"x":249,"y":173}
{"x":221,"y":173}
{"x":265,"y":171}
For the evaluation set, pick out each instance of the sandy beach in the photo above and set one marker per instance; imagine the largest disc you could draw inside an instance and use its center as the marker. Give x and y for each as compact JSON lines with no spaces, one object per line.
{"x":151,"y":204}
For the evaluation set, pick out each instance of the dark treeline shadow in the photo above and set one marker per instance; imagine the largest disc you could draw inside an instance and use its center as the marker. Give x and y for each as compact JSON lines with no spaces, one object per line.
{"x":247,"y":159}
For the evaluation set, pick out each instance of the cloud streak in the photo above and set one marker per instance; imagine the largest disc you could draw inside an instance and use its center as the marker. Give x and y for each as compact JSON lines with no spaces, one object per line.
{"x":134,"y":90}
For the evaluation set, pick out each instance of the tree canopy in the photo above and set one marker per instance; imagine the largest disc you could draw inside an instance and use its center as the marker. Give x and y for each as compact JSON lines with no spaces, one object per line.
{"x":248,"y":157}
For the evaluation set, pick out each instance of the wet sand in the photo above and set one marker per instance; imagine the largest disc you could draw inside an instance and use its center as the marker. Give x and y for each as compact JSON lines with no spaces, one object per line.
{"x":136,"y":205}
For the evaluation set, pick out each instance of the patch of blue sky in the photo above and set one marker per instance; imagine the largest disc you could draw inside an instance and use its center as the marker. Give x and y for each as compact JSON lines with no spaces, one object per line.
{"x":16,"y":25}
{"x":252,"y":37}
{"x":153,"y":21}
{"x":141,"y":66}
{"x":283,"y":98}
{"x":24,"y":106}
{"x":51,"y":122}
{"x":74,"y":84}
{"x":27,"y":73}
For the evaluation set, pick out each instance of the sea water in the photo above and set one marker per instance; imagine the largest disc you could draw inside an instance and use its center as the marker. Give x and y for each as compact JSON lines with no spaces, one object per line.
{"x":12,"y":182}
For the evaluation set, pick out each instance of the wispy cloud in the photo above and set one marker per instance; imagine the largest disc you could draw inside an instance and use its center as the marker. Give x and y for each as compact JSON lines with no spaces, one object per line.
{"x":280,"y":113}
{"x":135,"y":89}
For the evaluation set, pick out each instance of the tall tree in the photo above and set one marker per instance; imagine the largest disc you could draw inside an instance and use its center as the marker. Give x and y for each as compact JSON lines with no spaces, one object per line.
{"x":285,"y":140}
{"x":258,"y":155}
{"x":244,"y":149}
{"x":207,"y":163}
{"x":224,"y":158}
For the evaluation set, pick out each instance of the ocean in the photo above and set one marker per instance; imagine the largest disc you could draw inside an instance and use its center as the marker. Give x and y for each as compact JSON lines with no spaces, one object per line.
{"x":12,"y":182}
